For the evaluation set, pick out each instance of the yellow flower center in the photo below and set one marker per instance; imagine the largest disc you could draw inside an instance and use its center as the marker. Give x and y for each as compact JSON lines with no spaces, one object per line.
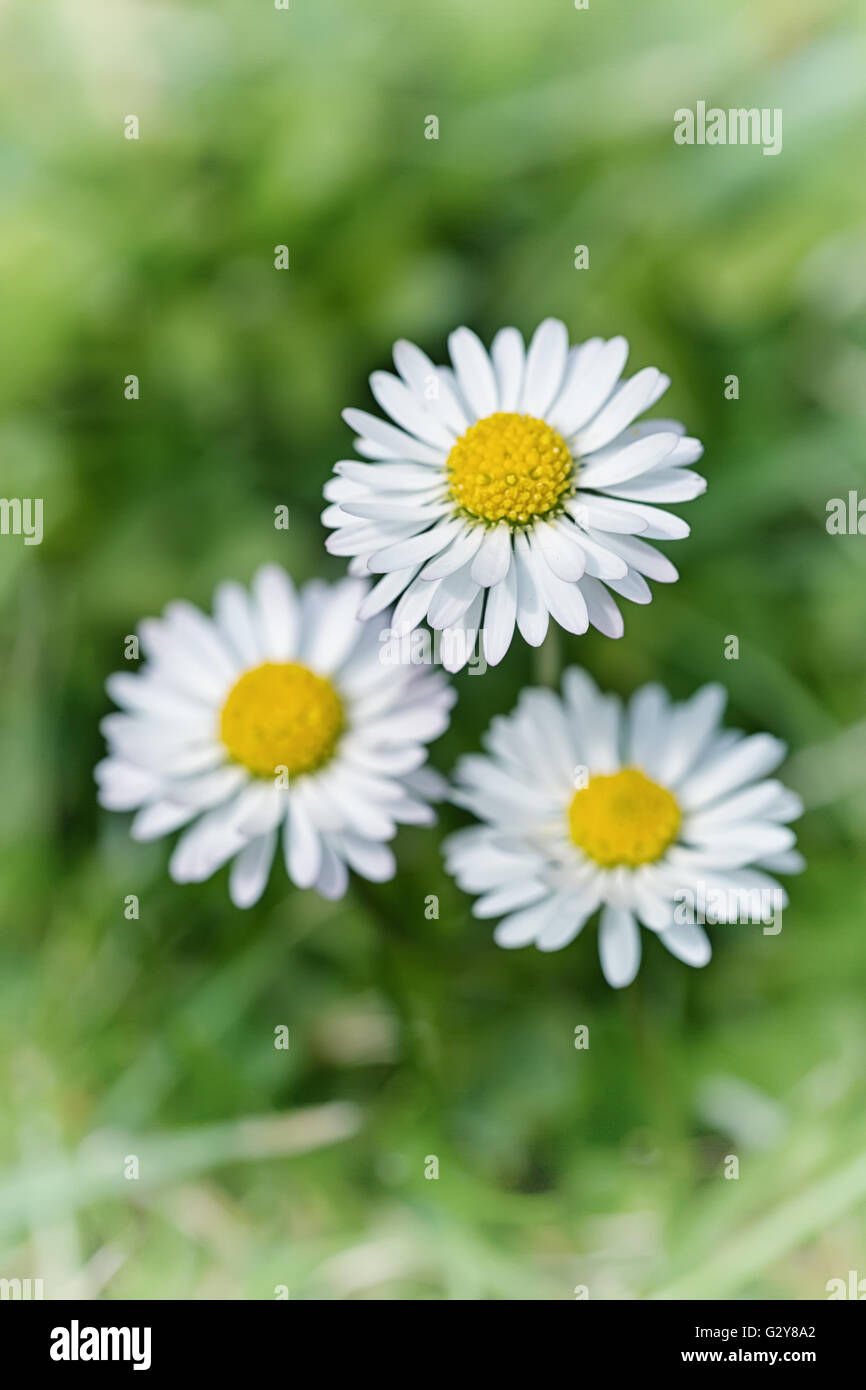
{"x":623,"y":818}
{"x":510,"y":467}
{"x":280,"y":715}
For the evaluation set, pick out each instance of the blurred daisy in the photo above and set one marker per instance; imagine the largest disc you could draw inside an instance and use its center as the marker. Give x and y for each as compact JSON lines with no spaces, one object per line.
{"x":274,"y":717}
{"x":646,"y":813}
{"x":512,"y":488}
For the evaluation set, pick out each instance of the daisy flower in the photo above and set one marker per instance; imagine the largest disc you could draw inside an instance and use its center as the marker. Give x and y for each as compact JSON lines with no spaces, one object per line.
{"x":646,"y":813}
{"x":275,"y":716}
{"x":511,"y":488}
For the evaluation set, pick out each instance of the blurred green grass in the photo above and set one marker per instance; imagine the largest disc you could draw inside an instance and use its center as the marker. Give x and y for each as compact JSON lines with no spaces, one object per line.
{"x":413,"y":1037}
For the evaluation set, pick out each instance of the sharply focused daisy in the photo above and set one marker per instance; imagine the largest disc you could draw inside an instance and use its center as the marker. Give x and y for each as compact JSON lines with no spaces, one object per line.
{"x":274,"y":717}
{"x":653,"y":814}
{"x":512,"y":487}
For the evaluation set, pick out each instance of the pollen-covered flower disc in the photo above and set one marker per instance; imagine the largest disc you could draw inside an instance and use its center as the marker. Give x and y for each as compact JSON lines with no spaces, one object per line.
{"x":275,"y":718}
{"x":510,"y":488}
{"x":654,"y":814}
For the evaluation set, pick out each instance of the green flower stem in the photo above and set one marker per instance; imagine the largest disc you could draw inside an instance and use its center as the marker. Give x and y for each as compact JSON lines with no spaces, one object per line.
{"x":548,"y":658}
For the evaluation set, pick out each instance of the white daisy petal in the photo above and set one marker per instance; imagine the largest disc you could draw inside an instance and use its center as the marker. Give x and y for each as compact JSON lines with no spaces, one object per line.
{"x":545,"y":367}
{"x":389,"y":442}
{"x":453,"y":409}
{"x":618,"y":946}
{"x":428,"y":783}
{"x":595,"y":723}
{"x":480,"y":862}
{"x":360,"y":538}
{"x":176,"y":664}
{"x":691,"y":726}
{"x":423,"y":722}
{"x":617,"y":463}
{"x":460,"y":639}
{"x":259,"y":807}
{"x":688,"y":942}
{"x":658,"y":390}
{"x":763,"y":799}
{"x":303,"y":845}
{"x":209,"y":788}
{"x":701,"y":860}
{"x":751,"y":839}
{"x":370,"y":858}
{"x":205,"y":846}
{"x":630,"y":399}
{"x":250,"y":870}
{"x":159,"y":818}
{"x":510,"y":896}
{"x":576,"y":368}
{"x":562,"y":930}
{"x":565,"y":602}
{"x":660,"y":485}
{"x":747,"y":761}
{"x":333,"y":879}
{"x":650,"y":906}
{"x":372,"y":757}
{"x":474,"y":371}
{"x":123,"y":786}
{"x":406,"y":411}
{"x":413,"y":365}
{"x":574,"y":912}
{"x":592,"y":388}
{"x":327,"y":645}
{"x":393,"y":477}
{"x":500,"y":615}
{"x":383,"y":594}
{"x":559,"y":543}
{"x":632,"y":586}
{"x":533,"y":615}
{"x":648,"y":726}
{"x":604,"y":514}
{"x":278,"y":614}
{"x":637,"y":431}
{"x":601,"y":608}
{"x":202,"y":637}
{"x":602,"y":561}
{"x":463,"y":547}
{"x":523,"y":927}
{"x":687,"y":451}
{"x":163,"y":751}
{"x":238,"y":620}
{"x":415,"y":550}
{"x":788,"y":862}
{"x":397,"y":509}
{"x":621,"y":515}
{"x":493,"y":557}
{"x":545,"y":736}
{"x":453,"y":596}
{"x":639,"y":556}
{"x":508,"y":356}
{"x":339,"y":491}
{"x":413,"y":605}
{"x":431,"y":385}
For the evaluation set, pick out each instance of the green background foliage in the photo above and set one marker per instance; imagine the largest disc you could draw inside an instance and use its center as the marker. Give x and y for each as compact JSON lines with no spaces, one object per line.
{"x":413,"y":1037}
